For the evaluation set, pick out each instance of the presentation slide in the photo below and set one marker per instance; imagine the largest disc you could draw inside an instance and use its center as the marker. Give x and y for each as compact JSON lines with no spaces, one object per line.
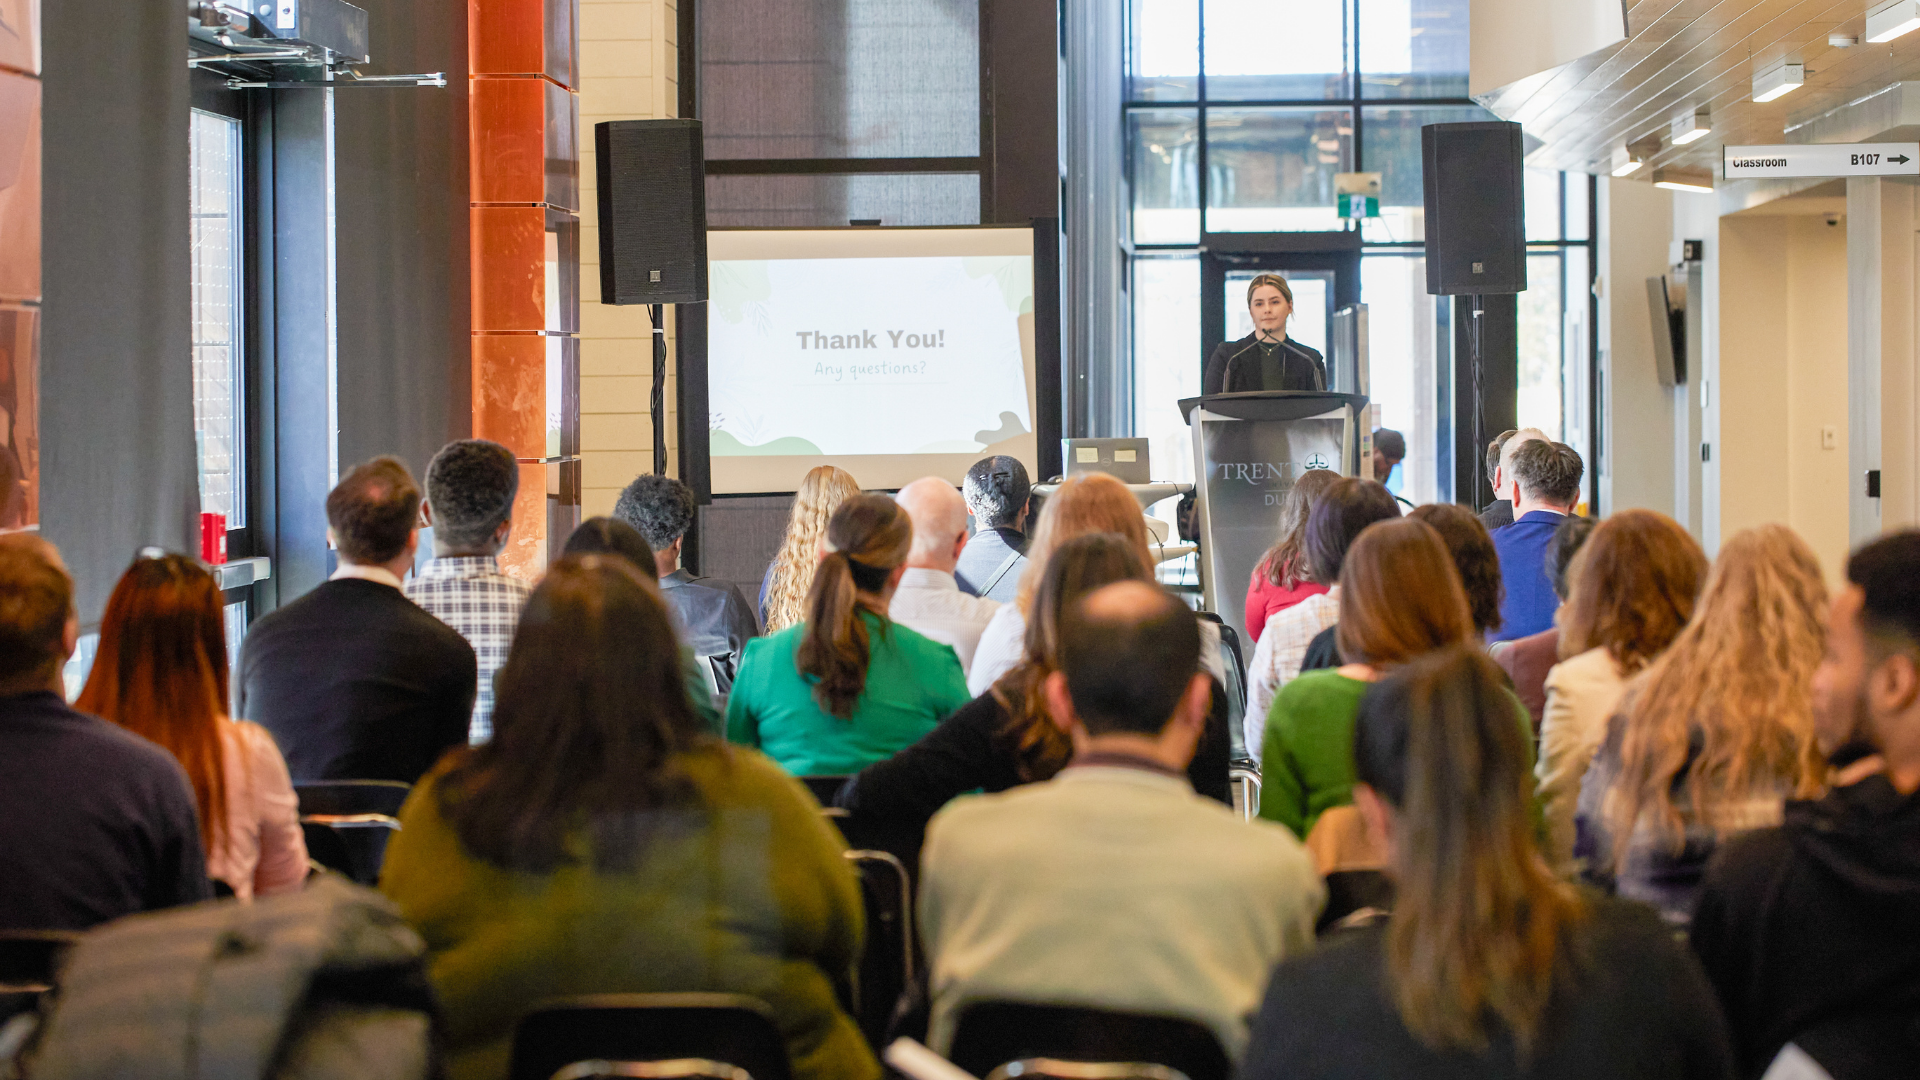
{"x":891,"y":353}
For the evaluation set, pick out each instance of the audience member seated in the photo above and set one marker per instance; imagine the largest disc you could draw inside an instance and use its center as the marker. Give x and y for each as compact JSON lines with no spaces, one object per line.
{"x":711,"y":613}
{"x":161,"y":673}
{"x":847,"y":687}
{"x":100,"y":822}
{"x":1343,"y":510}
{"x":611,"y":536}
{"x":1717,"y":732}
{"x":471,"y":485}
{"x":1113,"y":885}
{"x":1083,"y":504}
{"x":1816,"y":923}
{"x":353,"y":680}
{"x":1400,"y":597}
{"x":603,"y":842}
{"x":1546,"y":485}
{"x":999,"y":497}
{"x":1499,"y":512}
{"x":929,"y":600}
{"x":1389,"y":450}
{"x":1528,"y":660}
{"x":1633,"y":590}
{"x":1488,"y":966}
{"x":1005,"y":737}
{"x":1280,"y":579}
{"x":784,"y":588}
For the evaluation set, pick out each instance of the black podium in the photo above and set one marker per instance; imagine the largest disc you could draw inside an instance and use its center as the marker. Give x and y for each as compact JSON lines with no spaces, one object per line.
{"x":1248,"y":450}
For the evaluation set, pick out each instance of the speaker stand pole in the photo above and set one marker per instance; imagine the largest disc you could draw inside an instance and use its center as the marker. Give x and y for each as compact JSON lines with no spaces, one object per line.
{"x":1479,"y":396}
{"x":659,"y":398}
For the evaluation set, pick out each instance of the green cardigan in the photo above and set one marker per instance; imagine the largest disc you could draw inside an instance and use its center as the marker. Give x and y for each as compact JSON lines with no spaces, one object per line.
{"x":746,"y":893}
{"x":912,"y":683}
{"x":1306,"y":764}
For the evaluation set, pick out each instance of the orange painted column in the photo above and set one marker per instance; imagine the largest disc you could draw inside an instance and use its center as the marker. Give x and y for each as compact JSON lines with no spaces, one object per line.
{"x":19,"y":265}
{"x":524,"y":175}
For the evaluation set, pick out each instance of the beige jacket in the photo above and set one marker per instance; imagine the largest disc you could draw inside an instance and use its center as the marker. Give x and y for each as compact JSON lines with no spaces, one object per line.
{"x":1582,"y":693}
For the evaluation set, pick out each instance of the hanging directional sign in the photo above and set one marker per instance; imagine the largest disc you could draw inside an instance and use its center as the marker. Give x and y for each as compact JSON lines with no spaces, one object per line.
{"x":1820,"y":159}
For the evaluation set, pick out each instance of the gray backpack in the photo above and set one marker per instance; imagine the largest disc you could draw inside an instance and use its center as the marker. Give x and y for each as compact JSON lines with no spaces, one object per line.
{"x":324,"y":984}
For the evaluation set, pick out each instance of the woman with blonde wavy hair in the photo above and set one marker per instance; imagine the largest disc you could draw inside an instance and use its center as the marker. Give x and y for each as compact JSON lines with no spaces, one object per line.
{"x":1717,"y":732}
{"x":783,"y":592}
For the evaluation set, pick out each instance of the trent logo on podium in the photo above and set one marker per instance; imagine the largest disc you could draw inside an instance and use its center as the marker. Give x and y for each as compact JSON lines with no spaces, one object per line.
{"x":1317,"y":461}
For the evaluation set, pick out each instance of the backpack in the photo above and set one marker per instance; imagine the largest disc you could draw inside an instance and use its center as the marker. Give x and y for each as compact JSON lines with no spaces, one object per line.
{"x":325,"y":984}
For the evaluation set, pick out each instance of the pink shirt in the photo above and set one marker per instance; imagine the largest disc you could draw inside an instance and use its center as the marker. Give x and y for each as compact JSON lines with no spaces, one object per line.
{"x":262,"y":852}
{"x":1264,"y":598}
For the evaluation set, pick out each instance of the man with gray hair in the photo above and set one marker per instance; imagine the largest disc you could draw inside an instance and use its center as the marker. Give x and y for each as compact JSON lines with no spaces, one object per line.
{"x":929,"y":600}
{"x":1545,"y":484}
{"x":999,"y":497}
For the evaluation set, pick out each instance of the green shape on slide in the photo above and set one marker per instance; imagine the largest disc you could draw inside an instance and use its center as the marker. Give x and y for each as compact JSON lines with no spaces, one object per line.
{"x":722,"y":444}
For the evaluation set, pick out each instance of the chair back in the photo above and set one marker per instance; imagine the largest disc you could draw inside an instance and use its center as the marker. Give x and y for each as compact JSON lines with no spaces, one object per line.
{"x":887,"y":964}
{"x":1234,"y":664}
{"x":342,"y":797}
{"x":731,"y":1036}
{"x":29,"y":960}
{"x":353,"y":844}
{"x":824,"y":788}
{"x":1048,"y":1069}
{"x":991,"y":1035}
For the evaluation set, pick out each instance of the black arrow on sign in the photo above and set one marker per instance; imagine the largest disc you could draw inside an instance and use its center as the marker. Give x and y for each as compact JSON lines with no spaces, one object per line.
{"x":1901,"y":160}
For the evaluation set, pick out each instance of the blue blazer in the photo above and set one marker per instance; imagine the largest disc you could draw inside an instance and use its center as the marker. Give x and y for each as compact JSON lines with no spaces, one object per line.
{"x":1530,"y":602}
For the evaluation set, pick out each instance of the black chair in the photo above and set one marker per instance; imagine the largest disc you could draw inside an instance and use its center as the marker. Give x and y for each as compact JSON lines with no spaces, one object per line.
{"x":1048,"y":1069}
{"x":722,"y":1036}
{"x":887,"y":964}
{"x":824,"y":788}
{"x":992,"y":1035}
{"x":29,"y":960}
{"x":1234,"y":663}
{"x":347,"y":824}
{"x":346,"y":797}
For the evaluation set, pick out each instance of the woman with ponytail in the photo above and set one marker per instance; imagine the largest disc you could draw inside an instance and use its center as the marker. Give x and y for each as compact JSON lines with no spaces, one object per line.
{"x":848,"y":686}
{"x":1488,"y":965}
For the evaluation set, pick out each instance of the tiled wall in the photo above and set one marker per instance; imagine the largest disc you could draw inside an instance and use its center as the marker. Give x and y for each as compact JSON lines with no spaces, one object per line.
{"x":19,"y":265}
{"x":629,"y":70}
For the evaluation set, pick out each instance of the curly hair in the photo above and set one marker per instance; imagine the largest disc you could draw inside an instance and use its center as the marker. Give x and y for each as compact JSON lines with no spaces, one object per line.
{"x":1634,"y":584}
{"x":821,"y":492}
{"x":1473,"y":555}
{"x":471,"y":484}
{"x":660,"y":507}
{"x":1285,"y":563}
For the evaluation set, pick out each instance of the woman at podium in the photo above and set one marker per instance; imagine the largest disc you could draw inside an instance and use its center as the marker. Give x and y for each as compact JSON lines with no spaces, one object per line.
{"x":1265,"y":359}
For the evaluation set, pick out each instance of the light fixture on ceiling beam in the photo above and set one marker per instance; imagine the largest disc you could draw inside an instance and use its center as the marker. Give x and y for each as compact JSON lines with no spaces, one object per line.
{"x":1690,"y":124}
{"x":1683,"y":180}
{"x":1627,"y":161}
{"x":1889,"y":20}
{"x":1843,"y":41}
{"x":1778,"y":81}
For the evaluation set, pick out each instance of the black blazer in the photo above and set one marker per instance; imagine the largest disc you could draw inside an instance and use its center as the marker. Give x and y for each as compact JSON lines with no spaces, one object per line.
{"x":357,"y":682}
{"x":1302,"y":368}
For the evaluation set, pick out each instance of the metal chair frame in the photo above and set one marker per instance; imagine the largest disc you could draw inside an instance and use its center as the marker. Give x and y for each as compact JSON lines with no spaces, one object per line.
{"x":677,"y":1069}
{"x":1052,"y":1069}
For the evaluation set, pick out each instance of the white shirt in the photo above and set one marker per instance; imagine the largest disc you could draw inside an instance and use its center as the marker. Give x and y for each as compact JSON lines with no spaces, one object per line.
{"x":1277,"y":659}
{"x":366,"y":573}
{"x":1004,"y":643}
{"x":931,"y":603}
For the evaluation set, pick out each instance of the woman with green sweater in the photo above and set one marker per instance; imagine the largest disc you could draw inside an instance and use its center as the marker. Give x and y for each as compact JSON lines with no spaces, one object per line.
{"x":1400,"y":598}
{"x":602,"y":842}
{"x":849,"y":686}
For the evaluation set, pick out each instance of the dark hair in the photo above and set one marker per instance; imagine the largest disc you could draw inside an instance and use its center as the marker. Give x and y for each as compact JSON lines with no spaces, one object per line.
{"x":1391,"y":443}
{"x":373,"y":510}
{"x":1885,"y":571}
{"x":659,"y":506}
{"x":996,"y":489}
{"x":1126,"y":669}
{"x":1284,"y":564}
{"x":611,"y":536}
{"x":1498,"y":444}
{"x":866,"y":538}
{"x":1567,"y":541}
{"x":1344,"y":509}
{"x":471,"y":484}
{"x":1400,"y":595}
{"x":36,"y":598}
{"x":590,"y":710}
{"x":1479,"y":923}
{"x":1548,"y":470}
{"x":1474,"y":555}
{"x":1040,"y":748}
{"x":1634,"y":589}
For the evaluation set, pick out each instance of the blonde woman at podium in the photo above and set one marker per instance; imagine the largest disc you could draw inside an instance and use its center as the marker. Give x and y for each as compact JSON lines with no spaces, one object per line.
{"x":1265,"y":359}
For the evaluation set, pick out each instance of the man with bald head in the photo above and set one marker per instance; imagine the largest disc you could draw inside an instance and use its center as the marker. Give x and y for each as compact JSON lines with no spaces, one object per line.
{"x":1113,"y":885}
{"x":929,"y":600}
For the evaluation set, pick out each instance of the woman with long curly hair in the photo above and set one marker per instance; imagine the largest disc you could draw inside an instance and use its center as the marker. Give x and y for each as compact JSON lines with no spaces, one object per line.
{"x":161,"y":673}
{"x":1716,"y":733}
{"x":783,"y":592}
{"x":1280,"y":579}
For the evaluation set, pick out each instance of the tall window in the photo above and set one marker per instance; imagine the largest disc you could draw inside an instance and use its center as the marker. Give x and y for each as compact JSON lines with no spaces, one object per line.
{"x":218,"y":266}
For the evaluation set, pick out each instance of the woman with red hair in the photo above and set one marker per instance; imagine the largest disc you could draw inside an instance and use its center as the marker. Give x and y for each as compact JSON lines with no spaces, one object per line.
{"x":161,"y":673}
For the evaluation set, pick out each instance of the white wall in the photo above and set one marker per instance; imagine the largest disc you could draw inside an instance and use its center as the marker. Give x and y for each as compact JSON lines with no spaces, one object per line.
{"x":1636,"y":230}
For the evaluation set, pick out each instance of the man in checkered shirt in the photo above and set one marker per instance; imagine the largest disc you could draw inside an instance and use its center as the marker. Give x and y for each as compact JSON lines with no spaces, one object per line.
{"x":470,"y":489}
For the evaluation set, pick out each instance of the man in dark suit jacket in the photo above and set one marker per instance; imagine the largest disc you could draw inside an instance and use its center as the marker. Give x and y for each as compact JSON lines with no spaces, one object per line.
{"x":101,"y":823}
{"x":354,"y":680}
{"x":1499,"y":512}
{"x":1546,"y":485}
{"x":998,"y":496}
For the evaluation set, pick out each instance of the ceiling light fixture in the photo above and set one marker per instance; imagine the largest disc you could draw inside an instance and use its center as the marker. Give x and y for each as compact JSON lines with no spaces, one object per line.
{"x":1690,"y":124}
{"x":1674,"y":180}
{"x":1843,"y":41}
{"x":1626,"y":162}
{"x":1778,"y":81}
{"x":1892,"y":19}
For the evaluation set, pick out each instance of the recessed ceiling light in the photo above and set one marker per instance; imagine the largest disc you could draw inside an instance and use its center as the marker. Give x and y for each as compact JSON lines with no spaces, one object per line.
{"x":1891,"y":19}
{"x":1673,"y":180}
{"x":1690,"y":124}
{"x":1778,"y":81}
{"x":1626,"y":162}
{"x":1842,"y":41}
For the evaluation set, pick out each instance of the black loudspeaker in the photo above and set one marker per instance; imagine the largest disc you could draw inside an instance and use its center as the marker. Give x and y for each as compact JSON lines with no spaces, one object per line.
{"x":653,"y":211}
{"x":1476,"y":223}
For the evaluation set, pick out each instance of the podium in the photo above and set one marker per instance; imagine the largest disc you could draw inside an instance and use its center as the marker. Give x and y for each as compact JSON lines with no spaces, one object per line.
{"x":1248,"y":449}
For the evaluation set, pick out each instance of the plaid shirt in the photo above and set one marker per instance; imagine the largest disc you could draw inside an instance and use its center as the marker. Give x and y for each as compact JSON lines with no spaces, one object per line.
{"x":470,"y":594}
{"x":1277,"y":659}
